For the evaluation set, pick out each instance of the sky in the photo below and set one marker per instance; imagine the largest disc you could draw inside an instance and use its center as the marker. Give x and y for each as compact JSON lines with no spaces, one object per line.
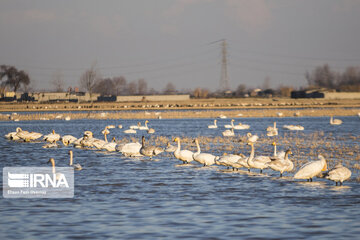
{"x":177,"y":41}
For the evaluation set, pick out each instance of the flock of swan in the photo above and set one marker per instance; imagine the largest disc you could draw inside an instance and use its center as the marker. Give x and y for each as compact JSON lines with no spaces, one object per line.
{"x":271,"y":130}
{"x":279,"y":161}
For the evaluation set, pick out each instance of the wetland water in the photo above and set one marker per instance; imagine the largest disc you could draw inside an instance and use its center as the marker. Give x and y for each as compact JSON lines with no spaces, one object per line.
{"x":137,"y":198}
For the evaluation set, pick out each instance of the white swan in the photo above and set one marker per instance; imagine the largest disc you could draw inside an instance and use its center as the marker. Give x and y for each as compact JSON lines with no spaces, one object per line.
{"x":89,"y":141}
{"x":252,"y":138}
{"x":144,"y":127}
{"x":260,"y":162}
{"x":76,"y":166}
{"x":149,"y":151}
{"x":130,"y":131}
{"x":231,"y":125}
{"x":52,"y":137}
{"x":170,"y":148}
{"x":339,"y":174}
{"x":311,"y":169}
{"x":294,"y":127}
{"x":184,"y":155}
{"x":335,"y":121}
{"x":214,"y":125}
{"x":272,"y":130}
{"x":110,"y":126}
{"x":205,"y":159}
{"x":120,"y":126}
{"x":110,"y":146}
{"x":135,"y":126}
{"x":57,"y":175}
{"x":105,"y":132}
{"x":280,"y":155}
{"x":12,"y":135}
{"x":28,"y":136}
{"x":244,"y":161}
{"x":241,"y":126}
{"x":130,"y":149}
{"x":151,"y":131}
{"x":228,"y":133}
{"x":68,"y":139}
{"x":230,"y":160}
{"x":282,"y":165}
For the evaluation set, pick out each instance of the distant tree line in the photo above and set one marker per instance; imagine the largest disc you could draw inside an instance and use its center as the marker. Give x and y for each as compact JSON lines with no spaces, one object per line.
{"x":325,"y":77}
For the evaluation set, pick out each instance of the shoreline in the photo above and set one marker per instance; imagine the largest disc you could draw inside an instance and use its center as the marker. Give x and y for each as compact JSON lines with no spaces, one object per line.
{"x":194,"y":108}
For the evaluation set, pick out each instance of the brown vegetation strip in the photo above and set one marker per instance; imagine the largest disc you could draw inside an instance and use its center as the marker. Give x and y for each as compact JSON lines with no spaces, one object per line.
{"x":194,"y":108}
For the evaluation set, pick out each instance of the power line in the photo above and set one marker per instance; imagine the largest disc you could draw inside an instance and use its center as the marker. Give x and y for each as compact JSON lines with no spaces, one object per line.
{"x":299,"y":57}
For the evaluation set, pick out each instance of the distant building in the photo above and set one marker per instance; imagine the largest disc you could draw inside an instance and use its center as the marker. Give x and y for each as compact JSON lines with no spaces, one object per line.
{"x":85,"y":97}
{"x":325,"y":94}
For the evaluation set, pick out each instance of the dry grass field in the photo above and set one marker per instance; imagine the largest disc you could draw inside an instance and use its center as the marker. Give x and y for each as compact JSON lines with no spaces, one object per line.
{"x":195,"y":108}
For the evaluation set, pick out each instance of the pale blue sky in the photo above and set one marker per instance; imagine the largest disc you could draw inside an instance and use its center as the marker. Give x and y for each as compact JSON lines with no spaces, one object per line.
{"x":168,"y":40}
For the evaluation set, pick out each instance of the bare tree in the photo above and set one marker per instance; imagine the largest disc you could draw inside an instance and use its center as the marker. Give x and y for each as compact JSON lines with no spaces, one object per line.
{"x":241,"y":90}
{"x":120,"y":85}
{"x":322,"y":76}
{"x":169,"y":89}
{"x":142,"y":86}
{"x":131,"y":88}
{"x":201,"y":93}
{"x":13,"y":77}
{"x":104,"y":87}
{"x":88,"y":79}
{"x":58,"y":81}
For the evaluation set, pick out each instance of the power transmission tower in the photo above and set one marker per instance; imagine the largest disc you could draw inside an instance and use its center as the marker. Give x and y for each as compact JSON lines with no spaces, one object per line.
{"x":224,"y":80}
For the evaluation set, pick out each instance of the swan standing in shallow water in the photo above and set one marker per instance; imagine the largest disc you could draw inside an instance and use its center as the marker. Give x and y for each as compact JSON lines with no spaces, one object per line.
{"x":312,"y":169}
{"x":213,"y":126}
{"x":280,"y":155}
{"x":244,"y":161}
{"x":206,"y":159}
{"x":110,"y":146}
{"x":130,"y":149}
{"x":149,"y":151}
{"x":260,"y":162}
{"x":338,"y":174}
{"x":170,"y":148}
{"x":335,"y":121}
{"x":230,"y":160}
{"x":76,"y":166}
{"x":282,"y":165}
{"x":184,"y":155}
